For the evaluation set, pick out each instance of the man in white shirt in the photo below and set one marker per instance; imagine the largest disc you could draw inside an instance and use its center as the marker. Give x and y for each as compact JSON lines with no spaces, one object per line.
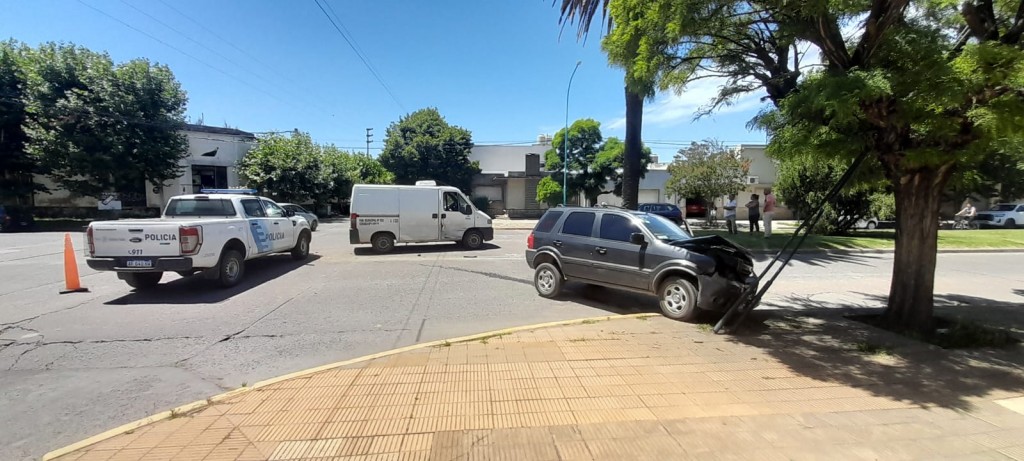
{"x":730,"y":214}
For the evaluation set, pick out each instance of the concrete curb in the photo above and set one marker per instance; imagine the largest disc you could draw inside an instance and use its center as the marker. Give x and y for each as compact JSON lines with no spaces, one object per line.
{"x":201,"y":404}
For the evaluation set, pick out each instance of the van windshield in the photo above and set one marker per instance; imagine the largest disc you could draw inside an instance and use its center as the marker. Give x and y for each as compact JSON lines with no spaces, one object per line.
{"x":199,"y":207}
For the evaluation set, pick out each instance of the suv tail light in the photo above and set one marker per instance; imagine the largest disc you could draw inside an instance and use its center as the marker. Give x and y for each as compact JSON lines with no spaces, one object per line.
{"x":529,"y":241}
{"x":89,"y":241}
{"x":191,"y":239}
{"x":352,"y":220}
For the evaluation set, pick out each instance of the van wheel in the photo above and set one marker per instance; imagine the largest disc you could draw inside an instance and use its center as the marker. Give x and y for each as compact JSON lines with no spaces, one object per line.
{"x":143,"y":280}
{"x":231,"y":268}
{"x":383,"y":242}
{"x":678,"y":299}
{"x":547,"y":279}
{"x":473,"y":239}
{"x":301,"y":250}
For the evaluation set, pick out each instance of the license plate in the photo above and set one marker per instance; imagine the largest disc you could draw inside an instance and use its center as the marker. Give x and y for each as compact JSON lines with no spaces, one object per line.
{"x":140,"y":263}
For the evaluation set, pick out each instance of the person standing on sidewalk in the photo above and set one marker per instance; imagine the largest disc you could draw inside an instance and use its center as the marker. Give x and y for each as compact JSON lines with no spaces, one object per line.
{"x":730,"y":214}
{"x":754,"y":213}
{"x":769,"y":211}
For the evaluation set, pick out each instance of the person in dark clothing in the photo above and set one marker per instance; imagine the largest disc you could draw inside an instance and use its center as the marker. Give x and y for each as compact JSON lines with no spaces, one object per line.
{"x":754,"y":213}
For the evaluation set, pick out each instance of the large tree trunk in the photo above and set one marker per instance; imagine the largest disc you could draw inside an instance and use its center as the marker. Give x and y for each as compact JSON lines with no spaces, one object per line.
{"x":633,"y":151}
{"x":918,"y":197}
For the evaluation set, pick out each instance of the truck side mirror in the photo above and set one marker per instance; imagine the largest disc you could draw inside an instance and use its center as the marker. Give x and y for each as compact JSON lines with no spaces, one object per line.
{"x":637,"y":238}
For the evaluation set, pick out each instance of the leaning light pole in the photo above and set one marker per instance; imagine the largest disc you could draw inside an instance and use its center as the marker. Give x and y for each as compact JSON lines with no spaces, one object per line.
{"x":565,"y":140}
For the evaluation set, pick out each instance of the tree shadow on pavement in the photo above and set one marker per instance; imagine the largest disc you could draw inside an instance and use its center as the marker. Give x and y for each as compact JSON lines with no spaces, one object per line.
{"x":822,"y":259}
{"x":820,"y":343}
{"x":197,"y":290}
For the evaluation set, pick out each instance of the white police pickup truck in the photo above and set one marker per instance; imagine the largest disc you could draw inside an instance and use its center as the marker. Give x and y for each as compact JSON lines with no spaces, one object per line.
{"x":213,"y":232}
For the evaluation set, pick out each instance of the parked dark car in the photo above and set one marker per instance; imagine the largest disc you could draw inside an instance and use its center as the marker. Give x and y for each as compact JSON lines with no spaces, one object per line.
{"x":15,"y":218}
{"x":640,"y":252}
{"x":696,"y":207}
{"x":665,"y":210}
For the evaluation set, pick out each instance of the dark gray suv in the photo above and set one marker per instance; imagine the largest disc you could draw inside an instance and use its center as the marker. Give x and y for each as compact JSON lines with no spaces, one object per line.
{"x":638,"y":252}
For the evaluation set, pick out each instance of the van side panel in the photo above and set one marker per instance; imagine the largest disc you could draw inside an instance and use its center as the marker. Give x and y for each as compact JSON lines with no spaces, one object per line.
{"x":378,"y":210}
{"x":419,"y":215}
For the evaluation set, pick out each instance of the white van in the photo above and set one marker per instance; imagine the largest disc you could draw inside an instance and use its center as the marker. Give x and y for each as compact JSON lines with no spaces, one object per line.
{"x":383,"y":215}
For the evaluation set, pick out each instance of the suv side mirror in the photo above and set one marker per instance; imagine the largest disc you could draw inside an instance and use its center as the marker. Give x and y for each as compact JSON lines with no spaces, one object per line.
{"x":637,"y":238}
{"x":289,"y":213}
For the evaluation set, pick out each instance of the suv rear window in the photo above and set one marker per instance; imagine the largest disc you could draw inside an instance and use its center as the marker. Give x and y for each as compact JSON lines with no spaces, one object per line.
{"x":579,"y":223}
{"x":548,"y":221}
{"x":194,"y":207}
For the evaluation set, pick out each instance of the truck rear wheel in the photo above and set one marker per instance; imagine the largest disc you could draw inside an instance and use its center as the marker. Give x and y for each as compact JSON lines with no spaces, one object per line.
{"x":143,"y":280}
{"x":231,"y":268}
{"x":383,"y":242}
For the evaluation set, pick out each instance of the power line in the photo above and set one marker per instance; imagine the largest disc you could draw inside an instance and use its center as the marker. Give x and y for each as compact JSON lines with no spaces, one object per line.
{"x":355,"y":46}
{"x":359,"y":55}
{"x":222,"y":39}
{"x":182,"y":52}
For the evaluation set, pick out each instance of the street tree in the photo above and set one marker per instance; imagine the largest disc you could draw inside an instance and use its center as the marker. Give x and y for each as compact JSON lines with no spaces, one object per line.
{"x":637,"y":90}
{"x":288,"y":168}
{"x":97,"y":127}
{"x":16,"y":165}
{"x":593,"y":161}
{"x":707,"y":170}
{"x":345,"y":169}
{"x":549,"y":191}
{"x":924,"y":87}
{"x":803,"y":182}
{"x":422,"y":146}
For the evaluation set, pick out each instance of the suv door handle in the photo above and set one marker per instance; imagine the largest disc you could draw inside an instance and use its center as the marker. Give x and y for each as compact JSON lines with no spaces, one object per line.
{"x":601,"y":250}
{"x":254,"y":223}
{"x":557,"y":243}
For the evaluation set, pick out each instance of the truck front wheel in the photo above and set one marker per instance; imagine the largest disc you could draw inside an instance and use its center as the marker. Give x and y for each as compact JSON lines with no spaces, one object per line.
{"x":232,"y":268}
{"x":301,"y":249}
{"x":143,"y":280}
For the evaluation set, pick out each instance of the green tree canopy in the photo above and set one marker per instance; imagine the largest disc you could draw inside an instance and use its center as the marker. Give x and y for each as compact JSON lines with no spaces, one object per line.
{"x":422,"y":145}
{"x":707,"y":170}
{"x":289,"y":168}
{"x":925,"y":87}
{"x":16,"y":165}
{"x":95,"y":127}
{"x":593,"y":161}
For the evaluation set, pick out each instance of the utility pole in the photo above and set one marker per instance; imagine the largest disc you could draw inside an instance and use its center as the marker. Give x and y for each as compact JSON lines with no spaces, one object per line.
{"x":369,"y":137}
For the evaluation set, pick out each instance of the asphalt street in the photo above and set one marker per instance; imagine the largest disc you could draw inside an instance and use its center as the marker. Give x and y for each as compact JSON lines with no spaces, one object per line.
{"x":75,"y":365}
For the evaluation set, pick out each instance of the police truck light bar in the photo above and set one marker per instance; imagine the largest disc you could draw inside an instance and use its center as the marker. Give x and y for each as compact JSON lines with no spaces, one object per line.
{"x":229,"y":191}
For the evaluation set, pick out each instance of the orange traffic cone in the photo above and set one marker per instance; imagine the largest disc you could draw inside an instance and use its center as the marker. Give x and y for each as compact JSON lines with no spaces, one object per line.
{"x":71,"y":280}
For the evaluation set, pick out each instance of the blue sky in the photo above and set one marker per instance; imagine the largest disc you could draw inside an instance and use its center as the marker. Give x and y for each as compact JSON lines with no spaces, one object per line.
{"x":497,"y":68}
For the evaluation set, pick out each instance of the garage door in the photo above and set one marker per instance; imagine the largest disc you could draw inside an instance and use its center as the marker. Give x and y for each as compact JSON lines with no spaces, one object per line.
{"x":650,"y":196}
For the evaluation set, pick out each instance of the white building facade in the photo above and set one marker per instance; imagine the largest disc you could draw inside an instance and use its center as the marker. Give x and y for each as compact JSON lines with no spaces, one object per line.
{"x":213,"y":156}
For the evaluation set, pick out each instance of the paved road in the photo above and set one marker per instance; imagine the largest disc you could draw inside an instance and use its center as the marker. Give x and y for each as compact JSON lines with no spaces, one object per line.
{"x":74,"y":365}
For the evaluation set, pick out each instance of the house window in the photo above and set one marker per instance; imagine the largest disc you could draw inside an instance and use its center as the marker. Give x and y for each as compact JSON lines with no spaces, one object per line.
{"x":209,"y":177}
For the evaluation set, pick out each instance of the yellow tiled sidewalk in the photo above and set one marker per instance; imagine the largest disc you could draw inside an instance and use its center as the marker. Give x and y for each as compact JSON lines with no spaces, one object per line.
{"x":623,"y":389}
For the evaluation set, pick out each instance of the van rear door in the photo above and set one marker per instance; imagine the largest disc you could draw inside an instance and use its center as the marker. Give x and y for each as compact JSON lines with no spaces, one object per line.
{"x":419,"y":215}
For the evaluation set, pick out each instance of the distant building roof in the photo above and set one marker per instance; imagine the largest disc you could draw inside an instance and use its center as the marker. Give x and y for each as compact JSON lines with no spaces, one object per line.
{"x":218,"y":130}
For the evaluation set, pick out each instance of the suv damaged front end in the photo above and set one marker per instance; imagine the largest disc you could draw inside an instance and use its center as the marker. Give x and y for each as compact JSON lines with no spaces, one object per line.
{"x":725,"y":271}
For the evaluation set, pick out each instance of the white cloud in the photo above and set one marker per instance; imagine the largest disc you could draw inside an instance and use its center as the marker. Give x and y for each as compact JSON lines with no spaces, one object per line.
{"x":672,"y":108}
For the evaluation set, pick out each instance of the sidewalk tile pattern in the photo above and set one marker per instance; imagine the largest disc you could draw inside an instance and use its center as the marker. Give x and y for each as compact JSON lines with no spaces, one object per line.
{"x":624,"y":389}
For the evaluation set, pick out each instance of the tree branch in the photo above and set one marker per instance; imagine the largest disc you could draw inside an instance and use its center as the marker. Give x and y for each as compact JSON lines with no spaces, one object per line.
{"x":884,"y":14}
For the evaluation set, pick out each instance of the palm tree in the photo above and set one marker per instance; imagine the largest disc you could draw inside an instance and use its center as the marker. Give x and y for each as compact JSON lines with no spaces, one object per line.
{"x":583,"y":13}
